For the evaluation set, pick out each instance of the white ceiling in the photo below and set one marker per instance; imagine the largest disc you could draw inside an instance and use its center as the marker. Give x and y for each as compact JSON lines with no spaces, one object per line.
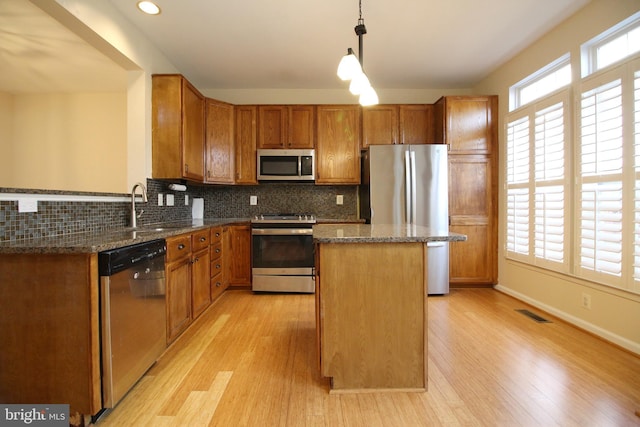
{"x":297,"y":44}
{"x":38,"y":54}
{"x":290,"y":44}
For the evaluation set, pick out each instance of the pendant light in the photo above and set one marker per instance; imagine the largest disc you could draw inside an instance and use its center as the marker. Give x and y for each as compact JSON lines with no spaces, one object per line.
{"x":351,"y":68}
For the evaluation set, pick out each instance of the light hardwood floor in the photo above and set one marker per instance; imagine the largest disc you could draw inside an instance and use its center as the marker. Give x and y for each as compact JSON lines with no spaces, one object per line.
{"x":250,"y":360}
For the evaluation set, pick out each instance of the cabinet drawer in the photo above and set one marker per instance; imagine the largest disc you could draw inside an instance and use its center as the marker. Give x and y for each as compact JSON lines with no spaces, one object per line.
{"x":200,"y":240}
{"x":216,"y":251}
{"x":216,"y":267}
{"x":216,"y":234}
{"x":178,"y":247}
{"x":217,"y":287}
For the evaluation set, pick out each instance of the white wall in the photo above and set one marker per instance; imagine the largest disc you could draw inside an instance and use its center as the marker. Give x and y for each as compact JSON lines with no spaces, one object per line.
{"x":70,"y":141}
{"x":615,"y":314}
{"x":102,"y":26}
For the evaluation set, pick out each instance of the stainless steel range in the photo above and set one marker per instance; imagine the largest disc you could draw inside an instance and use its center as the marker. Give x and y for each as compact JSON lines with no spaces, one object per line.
{"x":282,"y":256}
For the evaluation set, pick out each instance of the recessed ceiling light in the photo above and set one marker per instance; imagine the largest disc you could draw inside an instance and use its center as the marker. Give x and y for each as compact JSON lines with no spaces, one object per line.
{"x":149,"y":7}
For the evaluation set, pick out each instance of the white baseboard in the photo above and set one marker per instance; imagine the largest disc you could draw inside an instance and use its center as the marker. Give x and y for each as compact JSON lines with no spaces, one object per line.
{"x":580,"y":323}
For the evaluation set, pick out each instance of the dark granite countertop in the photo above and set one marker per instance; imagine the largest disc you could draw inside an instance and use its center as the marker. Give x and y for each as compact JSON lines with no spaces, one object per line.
{"x":96,"y":242}
{"x":380,"y":233}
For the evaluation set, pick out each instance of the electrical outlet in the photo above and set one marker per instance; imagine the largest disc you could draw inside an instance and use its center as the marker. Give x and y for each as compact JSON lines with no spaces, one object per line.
{"x":27,"y":205}
{"x":170,"y":200}
{"x":586,"y":301}
{"x":339,"y":199}
{"x":253,"y":200}
{"x":160,"y":199}
{"x":186,"y":200}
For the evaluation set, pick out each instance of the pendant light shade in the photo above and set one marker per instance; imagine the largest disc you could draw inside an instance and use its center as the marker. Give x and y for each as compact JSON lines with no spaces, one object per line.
{"x":368,"y":97}
{"x":359,"y":83}
{"x":349,"y":66}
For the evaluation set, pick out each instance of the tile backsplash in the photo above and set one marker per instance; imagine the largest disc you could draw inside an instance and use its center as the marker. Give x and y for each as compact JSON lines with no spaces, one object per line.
{"x":65,"y":217}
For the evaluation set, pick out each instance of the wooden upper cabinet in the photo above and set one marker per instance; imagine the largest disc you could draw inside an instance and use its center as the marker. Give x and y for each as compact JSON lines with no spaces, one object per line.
{"x":246,"y":141}
{"x":397,"y":124}
{"x":380,"y":125}
{"x":302,"y":126}
{"x":416,"y":124}
{"x":286,"y":126}
{"x":178,"y":111}
{"x":272,"y":126}
{"x":219,"y":146}
{"x":338,"y":144}
{"x":466,"y":123}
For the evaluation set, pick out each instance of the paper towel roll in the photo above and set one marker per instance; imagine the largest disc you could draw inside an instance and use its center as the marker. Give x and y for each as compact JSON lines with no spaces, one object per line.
{"x":177,"y":187}
{"x":197,"y":210}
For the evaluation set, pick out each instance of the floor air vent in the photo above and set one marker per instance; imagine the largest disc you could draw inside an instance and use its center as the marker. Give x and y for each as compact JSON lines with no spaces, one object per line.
{"x":533,"y":316}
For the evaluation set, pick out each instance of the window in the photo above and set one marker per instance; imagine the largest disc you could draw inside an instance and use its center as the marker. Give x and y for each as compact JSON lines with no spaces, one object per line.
{"x":550,"y":78}
{"x":573,"y":165}
{"x":537,"y":139}
{"x":618,"y":43}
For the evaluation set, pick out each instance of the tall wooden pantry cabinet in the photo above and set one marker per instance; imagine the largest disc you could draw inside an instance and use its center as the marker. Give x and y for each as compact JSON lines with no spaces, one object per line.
{"x":468,"y":124}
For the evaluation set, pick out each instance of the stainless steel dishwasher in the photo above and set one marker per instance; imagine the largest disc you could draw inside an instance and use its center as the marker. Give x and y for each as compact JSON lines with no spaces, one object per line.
{"x":133,"y":315}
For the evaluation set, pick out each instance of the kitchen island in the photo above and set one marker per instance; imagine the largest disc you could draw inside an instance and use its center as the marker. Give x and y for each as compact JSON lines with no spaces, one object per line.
{"x":371,"y":305}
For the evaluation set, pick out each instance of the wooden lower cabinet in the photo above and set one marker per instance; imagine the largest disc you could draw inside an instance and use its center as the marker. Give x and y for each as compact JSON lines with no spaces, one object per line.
{"x":371,"y":316}
{"x":49,"y":330}
{"x":200,"y":287}
{"x":219,"y":280}
{"x":178,"y":297}
{"x":240,"y":256}
{"x":187,"y":271}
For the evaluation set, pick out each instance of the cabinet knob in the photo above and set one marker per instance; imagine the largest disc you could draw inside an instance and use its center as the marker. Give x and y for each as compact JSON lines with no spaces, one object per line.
{"x":218,"y":284}
{"x":218,"y":234}
{"x":217,"y":250}
{"x":181,"y":246}
{"x":203,"y":239}
{"x":218,"y":266}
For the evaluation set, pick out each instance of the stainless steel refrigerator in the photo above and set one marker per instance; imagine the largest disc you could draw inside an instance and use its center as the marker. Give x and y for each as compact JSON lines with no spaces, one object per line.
{"x":408,"y":184}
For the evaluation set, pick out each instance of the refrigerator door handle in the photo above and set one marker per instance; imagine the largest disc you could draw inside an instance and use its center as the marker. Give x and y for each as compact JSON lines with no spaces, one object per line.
{"x":414,"y":189}
{"x":407,"y":187}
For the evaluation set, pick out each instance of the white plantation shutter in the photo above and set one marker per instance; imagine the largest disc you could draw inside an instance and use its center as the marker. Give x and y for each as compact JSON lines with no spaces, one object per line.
{"x":536,"y":226}
{"x":636,"y":202}
{"x":600,"y":182}
{"x":518,"y":154}
{"x":518,"y":221}
{"x":549,"y":236}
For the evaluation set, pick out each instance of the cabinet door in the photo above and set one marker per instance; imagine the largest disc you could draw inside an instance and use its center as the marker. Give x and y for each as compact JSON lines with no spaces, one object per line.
{"x":200,"y":282}
{"x":338,"y":144}
{"x":469,"y":123}
{"x":219,"y":144}
{"x":472,"y":212}
{"x":302,"y":126}
{"x":240,"y":236}
{"x":245,"y":139}
{"x":416,"y":124}
{"x":192,"y":132}
{"x":178,"y":297}
{"x":272,"y":126}
{"x":379,"y":125}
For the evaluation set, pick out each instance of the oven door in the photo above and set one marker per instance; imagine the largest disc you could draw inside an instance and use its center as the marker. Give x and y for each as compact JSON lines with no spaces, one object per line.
{"x":283,"y":260}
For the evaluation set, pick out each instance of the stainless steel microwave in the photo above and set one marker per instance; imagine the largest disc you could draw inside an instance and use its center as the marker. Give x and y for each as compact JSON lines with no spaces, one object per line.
{"x":286,"y":165}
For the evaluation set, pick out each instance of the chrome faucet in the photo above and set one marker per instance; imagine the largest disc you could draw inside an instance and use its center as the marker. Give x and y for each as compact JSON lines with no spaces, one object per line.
{"x":134,"y":214}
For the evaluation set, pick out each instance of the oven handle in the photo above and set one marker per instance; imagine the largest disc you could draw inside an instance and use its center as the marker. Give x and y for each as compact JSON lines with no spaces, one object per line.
{"x":281,"y":231}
